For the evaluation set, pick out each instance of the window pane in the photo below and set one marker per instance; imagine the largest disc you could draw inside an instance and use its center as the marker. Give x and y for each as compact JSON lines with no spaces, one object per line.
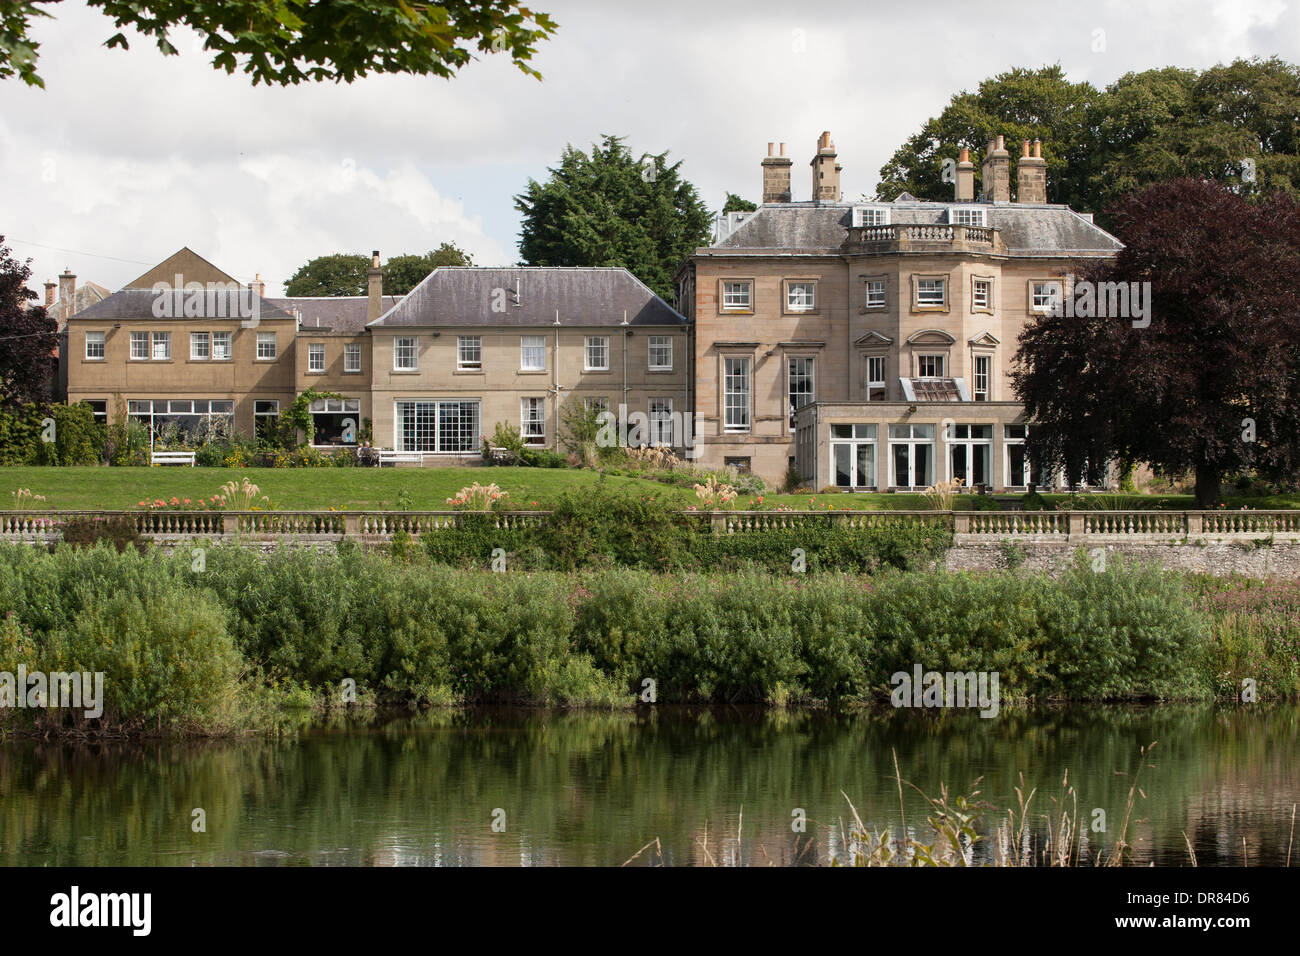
{"x":736,"y":394}
{"x":532,"y":350}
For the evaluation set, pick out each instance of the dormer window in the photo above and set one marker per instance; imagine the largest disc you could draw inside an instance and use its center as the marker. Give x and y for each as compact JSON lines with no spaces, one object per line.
{"x":966,"y":216}
{"x":870,"y":216}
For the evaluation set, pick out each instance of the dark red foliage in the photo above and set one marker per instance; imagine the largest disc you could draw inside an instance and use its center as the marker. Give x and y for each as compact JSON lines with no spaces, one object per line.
{"x":1223,"y":344}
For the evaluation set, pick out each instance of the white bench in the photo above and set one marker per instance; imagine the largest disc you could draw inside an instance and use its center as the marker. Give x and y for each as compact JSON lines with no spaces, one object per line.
{"x":173,"y":458}
{"x":400,"y":457}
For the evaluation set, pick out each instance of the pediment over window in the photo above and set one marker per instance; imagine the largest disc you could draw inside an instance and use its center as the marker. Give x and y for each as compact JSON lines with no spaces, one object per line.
{"x":985,"y":338}
{"x":930,"y":337}
{"x":873,"y":338}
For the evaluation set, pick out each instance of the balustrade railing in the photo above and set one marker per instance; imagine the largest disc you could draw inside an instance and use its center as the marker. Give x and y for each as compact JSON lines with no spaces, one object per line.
{"x":969,"y":526}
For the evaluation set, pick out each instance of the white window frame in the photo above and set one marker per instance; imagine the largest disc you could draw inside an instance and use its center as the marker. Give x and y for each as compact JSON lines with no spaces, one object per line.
{"x":870,"y":216}
{"x":98,"y":340}
{"x":532,"y":420}
{"x":429,"y":414}
{"x":968,"y":216}
{"x":351,"y":351}
{"x":315,"y":350}
{"x":978,"y":282}
{"x":986,"y":391}
{"x":595,"y":347}
{"x":1043,"y":294}
{"x":263,"y":340}
{"x":925,"y":292}
{"x":140,"y":353}
{"x":165,"y":340}
{"x":742,"y":420}
{"x":1009,"y":442}
{"x":406,"y":347}
{"x":939,"y":359}
{"x":226,"y":338}
{"x":464,"y":345}
{"x":732,"y":299}
{"x":661,"y":421}
{"x":532,"y":345}
{"x":881,"y":383}
{"x":200,"y":346}
{"x":912,"y":441}
{"x":811,"y":392}
{"x":807,"y":288}
{"x":665,"y":344}
{"x":875,"y":294}
{"x":859,"y":435}
{"x":983,"y":446}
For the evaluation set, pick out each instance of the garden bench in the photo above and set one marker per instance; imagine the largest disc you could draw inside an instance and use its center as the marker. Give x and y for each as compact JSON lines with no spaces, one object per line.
{"x":400,"y":457}
{"x":172,"y":458}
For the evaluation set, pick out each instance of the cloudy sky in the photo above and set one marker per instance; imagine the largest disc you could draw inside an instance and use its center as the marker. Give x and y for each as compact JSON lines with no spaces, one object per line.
{"x":125,"y":157}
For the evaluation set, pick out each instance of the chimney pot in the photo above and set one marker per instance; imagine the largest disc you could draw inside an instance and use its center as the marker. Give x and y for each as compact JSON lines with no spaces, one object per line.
{"x":776,"y":176}
{"x":1031,"y":175}
{"x":770,"y":147}
{"x":825,"y":171}
{"x":1024,"y":149}
{"x":996,"y":172}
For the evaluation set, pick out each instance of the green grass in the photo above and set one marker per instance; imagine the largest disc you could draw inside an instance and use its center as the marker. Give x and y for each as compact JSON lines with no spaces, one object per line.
{"x":357,"y":489}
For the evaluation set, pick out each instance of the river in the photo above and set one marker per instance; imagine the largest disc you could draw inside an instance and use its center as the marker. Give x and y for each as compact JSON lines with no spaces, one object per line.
{"x":727,"y":787}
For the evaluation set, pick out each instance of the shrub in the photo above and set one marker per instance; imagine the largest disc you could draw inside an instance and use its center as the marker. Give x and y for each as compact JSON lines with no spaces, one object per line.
{"x":87,"y":532}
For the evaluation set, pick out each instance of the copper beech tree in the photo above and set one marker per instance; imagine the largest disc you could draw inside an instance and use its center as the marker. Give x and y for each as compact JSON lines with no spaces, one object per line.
{"x":1208,"y":382}
{"x":28,"y":337}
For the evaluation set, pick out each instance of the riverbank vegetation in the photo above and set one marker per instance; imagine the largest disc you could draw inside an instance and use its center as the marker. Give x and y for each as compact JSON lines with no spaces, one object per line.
{"x":219,"y":641}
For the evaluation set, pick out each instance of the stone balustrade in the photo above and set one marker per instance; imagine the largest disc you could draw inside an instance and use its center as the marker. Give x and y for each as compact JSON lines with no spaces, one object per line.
{"x":968,"y":527}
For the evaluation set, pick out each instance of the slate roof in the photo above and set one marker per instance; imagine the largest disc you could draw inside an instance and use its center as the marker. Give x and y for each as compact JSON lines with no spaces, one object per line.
{"x":1027,"y":229}
{"x":342,"y":313}
{"x":583,"y":296}
{"x":138,"y":304}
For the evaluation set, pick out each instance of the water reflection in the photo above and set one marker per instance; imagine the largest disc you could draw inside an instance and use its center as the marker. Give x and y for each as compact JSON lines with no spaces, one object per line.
{"x":593,"y":788}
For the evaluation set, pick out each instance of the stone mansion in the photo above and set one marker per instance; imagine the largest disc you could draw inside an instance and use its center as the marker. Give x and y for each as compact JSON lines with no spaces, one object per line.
{"x":865,"y":344}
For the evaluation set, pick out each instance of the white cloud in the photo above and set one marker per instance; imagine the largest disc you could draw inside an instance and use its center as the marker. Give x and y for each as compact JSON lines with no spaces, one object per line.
{"x":149,"y":153}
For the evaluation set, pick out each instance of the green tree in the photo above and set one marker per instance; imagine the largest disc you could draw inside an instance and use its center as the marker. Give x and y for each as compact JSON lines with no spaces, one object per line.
{"x":345,"y":274}
{"x":288,"y":41}
{"x":1238,"y":124}
{"x":339,"y":274}
{"x":735,"y":204}
{"x":403,"y":273}
{"x":610,"y":208}
{"x":1020,"y":104}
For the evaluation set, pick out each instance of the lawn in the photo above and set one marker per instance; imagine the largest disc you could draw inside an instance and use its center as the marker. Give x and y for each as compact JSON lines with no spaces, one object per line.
{"x":307,"y":489}
{"x":427,"y":489}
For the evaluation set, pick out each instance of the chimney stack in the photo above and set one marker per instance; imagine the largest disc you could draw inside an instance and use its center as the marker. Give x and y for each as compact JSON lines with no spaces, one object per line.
{"x":375,"y":287}
{"x":258,"y":286}
{"x":1031,"y":174}
{"x":825,"y":171}
{"x":776,"y":176}
{"x":67,"y":294}
{"x":964,"y":190}
{"x":996,"y":171}
{"x":49,"y":293}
